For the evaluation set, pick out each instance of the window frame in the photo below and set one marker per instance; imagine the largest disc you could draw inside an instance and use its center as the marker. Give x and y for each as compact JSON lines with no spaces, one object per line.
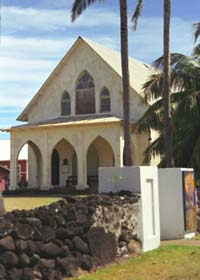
{"x":105,"y":98}
{"x":66,"y":104}
{"x":85,"y":94}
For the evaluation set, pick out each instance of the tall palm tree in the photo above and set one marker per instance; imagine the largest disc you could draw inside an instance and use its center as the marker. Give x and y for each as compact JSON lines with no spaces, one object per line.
{"x":185,"y":110}
{"x":77,"y":9}
{"x":166,"y":87}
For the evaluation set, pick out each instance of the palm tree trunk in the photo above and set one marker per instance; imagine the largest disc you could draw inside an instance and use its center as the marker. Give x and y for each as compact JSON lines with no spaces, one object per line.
{"x":125,"y":82}
{"x":166,"y":86}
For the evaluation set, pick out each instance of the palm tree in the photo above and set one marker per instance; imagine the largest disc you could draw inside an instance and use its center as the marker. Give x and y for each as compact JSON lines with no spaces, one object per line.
{"x":166,"y":86}
{"x":185,"y":110}
{"x":77,"y":9}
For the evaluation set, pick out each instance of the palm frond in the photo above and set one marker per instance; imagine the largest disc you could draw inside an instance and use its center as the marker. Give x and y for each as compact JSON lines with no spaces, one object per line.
{"x":196,"y":52}
{"x":152,"y":119}
{"x":153,"y":87}
{"x":154,"y":149}
{"x":185,"y":109}
{"x":137,"y":14}
{"x":79,"y":6}
{"x":196,"y":31}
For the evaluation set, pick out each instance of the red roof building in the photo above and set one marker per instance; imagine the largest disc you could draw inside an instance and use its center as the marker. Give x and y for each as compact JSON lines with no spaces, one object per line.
{"x":5,"y":163}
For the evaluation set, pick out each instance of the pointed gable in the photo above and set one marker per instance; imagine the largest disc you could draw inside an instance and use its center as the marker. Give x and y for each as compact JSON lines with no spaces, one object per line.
{"x":138,"y":71}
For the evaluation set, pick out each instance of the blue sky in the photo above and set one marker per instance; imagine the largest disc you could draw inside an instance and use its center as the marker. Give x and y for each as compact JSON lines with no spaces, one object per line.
{"x":36,"y":35}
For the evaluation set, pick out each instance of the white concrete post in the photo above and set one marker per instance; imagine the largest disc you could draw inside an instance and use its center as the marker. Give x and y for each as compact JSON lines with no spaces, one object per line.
{"x":172,"y":200}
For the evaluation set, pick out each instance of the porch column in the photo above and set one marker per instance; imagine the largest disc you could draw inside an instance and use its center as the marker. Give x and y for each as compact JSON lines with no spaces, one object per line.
{"x":82,"y":169}
{"x":13,"y":165}
{"x":46,"y":166}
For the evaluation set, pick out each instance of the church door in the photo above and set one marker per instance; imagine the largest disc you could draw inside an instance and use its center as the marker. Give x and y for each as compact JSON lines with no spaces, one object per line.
{"x":55,"y":168}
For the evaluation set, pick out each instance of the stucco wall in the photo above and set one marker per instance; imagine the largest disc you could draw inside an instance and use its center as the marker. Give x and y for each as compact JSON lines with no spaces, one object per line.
{"x":84,"y":58}
{"x":171,"y":203}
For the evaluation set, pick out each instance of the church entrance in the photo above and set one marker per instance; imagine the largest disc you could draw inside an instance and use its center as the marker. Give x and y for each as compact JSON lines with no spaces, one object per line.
{"x":63,"y":164}
{"x":55,"y":168}
{"x":100,"y":154}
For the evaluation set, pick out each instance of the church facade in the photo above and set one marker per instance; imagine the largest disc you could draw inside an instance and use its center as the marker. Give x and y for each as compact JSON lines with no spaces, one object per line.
{"x":74,"y":124}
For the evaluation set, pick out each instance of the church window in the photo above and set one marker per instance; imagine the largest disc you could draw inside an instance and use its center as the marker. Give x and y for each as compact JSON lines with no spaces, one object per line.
{"x":66,"y":104}
{"x":85,"y":94}
{"x":105,"y":105}
{"x":65,"y":161}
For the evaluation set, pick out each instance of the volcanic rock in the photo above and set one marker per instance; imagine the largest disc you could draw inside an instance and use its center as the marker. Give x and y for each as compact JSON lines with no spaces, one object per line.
{"x":102,"y":245}
{"x":50,"y":250}
{"x":9,"y":259}
{"x":24,"y":231}
{"x":80,"y":245}
{"x":7,"y":243}
{"x":6,"y":227}
{"x":48,"y":234}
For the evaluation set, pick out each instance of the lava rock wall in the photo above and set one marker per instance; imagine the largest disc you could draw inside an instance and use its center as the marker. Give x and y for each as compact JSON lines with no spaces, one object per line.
{"x":68,"y":236}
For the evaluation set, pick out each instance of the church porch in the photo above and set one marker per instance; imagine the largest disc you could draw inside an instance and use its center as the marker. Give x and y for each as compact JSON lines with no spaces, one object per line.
{"x":59,"y":152}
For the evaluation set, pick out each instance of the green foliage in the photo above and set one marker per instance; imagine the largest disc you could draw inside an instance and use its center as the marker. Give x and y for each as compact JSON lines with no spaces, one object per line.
{"x":185,"y":110}
{"x":79,"y":6}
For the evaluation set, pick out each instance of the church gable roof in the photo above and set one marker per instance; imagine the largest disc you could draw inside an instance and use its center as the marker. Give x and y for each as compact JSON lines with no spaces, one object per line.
{"x":139,"y":71}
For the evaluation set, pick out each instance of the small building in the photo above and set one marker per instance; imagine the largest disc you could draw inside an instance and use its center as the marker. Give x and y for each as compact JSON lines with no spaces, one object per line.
{"x":74,"y":123}
{"x":5,"y":162}
{"x":4,"y":178}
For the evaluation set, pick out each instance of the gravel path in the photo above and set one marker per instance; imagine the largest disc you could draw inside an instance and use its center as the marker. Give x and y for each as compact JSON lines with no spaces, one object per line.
{"x":186,"y":242}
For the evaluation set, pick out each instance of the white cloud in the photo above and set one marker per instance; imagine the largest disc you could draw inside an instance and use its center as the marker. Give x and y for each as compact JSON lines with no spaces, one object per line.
{"x":22,"y":70}
{"x":33,"y":47}
{"x":26,"y":62}
{"x":14,"y":100}
{"x":16,"y":19}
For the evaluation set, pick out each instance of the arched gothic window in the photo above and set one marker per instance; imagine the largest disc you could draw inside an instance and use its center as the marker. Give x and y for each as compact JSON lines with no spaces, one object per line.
{"x":66,"y":104}
{"x":85,"y":94}
{"x":105,"y":105}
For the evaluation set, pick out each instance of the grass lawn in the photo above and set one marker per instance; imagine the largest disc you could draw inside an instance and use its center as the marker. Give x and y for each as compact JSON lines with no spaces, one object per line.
{"x":27,"y":203}
{"x":170,"y":262}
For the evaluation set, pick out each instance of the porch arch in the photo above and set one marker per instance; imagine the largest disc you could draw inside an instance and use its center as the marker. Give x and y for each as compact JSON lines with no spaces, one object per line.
{"x":99,"y":154}
{"x":34,"y":165}
{"x":63,"y":162}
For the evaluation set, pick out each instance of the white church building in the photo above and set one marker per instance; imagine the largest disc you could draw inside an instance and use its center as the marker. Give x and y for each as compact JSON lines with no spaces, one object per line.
{"x":74,"y":123}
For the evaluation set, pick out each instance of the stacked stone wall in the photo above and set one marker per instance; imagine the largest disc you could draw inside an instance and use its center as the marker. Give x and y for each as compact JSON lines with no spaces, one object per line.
{"x":68,"y":236}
